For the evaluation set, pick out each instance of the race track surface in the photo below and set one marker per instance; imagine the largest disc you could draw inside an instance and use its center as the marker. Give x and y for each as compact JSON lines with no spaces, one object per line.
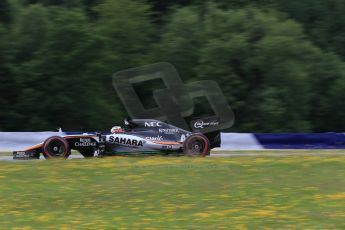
{"x":263,"y":153}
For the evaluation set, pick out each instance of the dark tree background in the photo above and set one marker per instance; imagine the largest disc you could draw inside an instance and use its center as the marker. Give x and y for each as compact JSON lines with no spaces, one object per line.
{"x":279,"y":63}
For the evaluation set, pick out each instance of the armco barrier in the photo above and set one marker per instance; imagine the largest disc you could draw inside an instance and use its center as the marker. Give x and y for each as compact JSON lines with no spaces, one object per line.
{"x":239,"y":141}
{"x":301,"y":140}
{"x":10,"y":141}
{"x":258,"y":141}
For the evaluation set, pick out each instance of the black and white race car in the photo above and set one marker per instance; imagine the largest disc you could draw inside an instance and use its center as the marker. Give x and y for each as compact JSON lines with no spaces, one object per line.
{"x":139,"y":136}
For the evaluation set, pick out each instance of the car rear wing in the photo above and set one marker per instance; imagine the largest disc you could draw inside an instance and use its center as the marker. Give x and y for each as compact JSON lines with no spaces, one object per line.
{"x":210,"y":127}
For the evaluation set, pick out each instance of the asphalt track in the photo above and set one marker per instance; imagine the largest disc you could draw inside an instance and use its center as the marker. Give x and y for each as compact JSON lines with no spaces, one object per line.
{"x":267,"y":153}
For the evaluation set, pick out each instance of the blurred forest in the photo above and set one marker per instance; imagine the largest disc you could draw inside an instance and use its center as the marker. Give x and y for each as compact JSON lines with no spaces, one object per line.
{"x":281,"y":64}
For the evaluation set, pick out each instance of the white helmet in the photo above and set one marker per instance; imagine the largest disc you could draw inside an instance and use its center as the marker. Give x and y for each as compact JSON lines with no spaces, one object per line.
{"x":117,"y":129}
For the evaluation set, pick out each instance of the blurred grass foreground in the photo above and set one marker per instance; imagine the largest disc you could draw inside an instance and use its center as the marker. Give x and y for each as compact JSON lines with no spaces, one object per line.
{"x":174,"y":193}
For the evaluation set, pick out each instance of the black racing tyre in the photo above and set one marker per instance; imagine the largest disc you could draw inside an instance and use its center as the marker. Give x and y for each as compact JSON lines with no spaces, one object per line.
{"x":55,"y":147}
{"x":196,"y":145}
{"x":87,"y":153}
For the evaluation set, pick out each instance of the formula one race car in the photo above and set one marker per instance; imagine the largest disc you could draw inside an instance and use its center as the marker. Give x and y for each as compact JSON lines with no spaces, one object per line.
{"x":139,"y":136}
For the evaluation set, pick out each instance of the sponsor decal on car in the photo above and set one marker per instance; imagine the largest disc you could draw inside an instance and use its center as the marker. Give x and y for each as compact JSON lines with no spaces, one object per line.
{"x":183,"y":138}
{"x":126,"y":141}
{"x":25,"y":154}
{"x":153,"y":124}
{"x":167,"y":147}
{"x":158,"y":138}
{"x":168,"y":131}
{"x":85,"y":142}
{"x":201,"y":124}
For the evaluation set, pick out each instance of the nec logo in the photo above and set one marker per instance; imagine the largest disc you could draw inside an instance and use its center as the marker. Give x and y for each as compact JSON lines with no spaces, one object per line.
{"x":153,"y":124}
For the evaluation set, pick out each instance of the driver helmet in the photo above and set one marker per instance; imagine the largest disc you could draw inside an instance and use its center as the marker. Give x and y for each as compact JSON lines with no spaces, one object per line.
{"x":117,"y":129}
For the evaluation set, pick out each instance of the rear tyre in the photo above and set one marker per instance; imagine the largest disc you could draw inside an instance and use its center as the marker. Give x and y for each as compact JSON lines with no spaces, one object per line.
{"x":56,"y":147}
{"x":196,"y":145}
{"x":87,"y":153}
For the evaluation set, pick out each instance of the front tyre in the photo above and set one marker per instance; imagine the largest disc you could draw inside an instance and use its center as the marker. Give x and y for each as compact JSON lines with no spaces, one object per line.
{"x":56,"y":147}
{"x":196,"y":145}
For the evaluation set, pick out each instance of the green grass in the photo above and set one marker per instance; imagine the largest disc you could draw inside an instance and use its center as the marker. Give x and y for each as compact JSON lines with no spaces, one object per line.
{"x":288,"y":151}
{"x":174,"y":193}
{"x":5,"y":154}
